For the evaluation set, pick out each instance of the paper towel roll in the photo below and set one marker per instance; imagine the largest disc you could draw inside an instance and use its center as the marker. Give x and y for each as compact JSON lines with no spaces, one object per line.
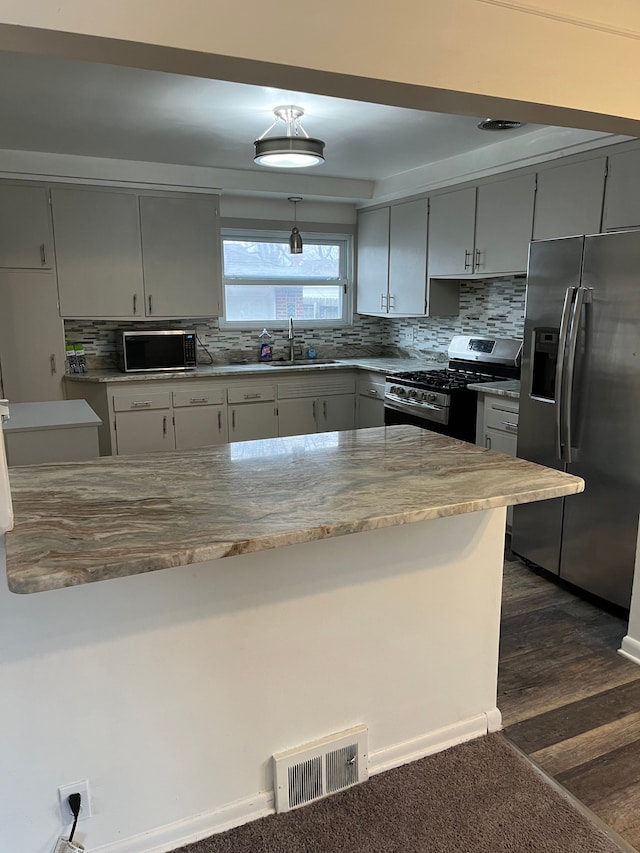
{"x":6,"y":508}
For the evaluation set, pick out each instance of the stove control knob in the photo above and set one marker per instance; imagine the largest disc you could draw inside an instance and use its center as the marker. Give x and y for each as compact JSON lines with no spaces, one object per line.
{"x":397,"y":389}
{"x":413,"y":393}
{"x":430,"y":397}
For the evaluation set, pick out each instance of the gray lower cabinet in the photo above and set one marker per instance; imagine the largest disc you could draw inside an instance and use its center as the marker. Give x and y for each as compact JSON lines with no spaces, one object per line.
{"x":252,"y":411}
{"x":25,"y":227}
{"x":144,"y":432}
{"x":32,"y":356}
{"x":497,"y":427}
{"x":308,"y":404}
{"x":199,"y":417}
{"x":370,"y":400}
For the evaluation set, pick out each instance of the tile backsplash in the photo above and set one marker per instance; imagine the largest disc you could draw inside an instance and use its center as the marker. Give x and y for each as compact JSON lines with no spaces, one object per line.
{"x":493,"y":306}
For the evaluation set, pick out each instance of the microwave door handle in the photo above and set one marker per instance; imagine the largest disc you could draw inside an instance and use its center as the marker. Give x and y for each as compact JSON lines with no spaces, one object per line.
{"x":583,"y":296}
{"x":560,"y":368}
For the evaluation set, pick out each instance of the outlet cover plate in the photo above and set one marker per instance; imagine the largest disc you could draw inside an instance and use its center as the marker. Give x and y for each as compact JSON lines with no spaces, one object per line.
{"x":82,"y":788}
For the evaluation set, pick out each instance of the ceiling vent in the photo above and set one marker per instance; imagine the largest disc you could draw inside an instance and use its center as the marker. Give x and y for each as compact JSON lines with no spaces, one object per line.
{"x":499,"y":124}
{"x":320,"y":768}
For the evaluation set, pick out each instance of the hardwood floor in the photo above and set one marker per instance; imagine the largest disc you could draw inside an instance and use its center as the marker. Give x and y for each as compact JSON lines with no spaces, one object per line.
{"x":568,"y":699}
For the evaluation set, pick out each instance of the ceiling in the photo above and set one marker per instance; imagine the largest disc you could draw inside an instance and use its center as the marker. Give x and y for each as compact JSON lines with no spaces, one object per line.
{"x":99,"y":110}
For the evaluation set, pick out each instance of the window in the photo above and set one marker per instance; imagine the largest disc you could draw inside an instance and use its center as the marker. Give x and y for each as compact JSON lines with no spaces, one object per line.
{"x":264,"y":284}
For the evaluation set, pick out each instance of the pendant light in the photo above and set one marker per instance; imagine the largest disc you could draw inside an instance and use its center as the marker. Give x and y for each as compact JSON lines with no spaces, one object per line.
{"x":293,"y":150}
{"x":295,"y":240}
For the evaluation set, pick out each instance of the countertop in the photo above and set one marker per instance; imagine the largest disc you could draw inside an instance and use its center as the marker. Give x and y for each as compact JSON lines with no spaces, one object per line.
{"x":376,"y":364}
{"x":503,"y":388}
{"x":116,"y":516}
{"x":52,"y":414}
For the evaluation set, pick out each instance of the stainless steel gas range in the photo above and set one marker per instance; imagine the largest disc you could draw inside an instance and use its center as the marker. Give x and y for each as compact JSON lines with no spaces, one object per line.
{"x":439,"y":400}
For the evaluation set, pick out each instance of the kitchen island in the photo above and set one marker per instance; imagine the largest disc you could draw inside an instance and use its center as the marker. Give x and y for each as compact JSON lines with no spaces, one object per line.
{"x":260,"y":595}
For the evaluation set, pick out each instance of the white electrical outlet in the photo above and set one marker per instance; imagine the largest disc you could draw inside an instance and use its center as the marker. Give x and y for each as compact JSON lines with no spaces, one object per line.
{"x":82,"y":788}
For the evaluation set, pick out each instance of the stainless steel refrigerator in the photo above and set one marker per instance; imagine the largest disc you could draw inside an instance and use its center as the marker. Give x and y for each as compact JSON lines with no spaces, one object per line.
{"x":580,"y":408}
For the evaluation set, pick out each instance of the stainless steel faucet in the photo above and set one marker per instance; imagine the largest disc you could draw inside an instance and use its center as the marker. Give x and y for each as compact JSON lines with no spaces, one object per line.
{"x":291,"y":341}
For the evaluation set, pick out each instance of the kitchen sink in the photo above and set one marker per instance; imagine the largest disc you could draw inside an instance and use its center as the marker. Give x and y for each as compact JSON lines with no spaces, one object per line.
{"x":301,"y":362}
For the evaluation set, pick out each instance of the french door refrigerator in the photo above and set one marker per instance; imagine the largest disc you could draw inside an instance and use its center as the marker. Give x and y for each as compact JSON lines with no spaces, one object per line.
{"x":580,"y":409}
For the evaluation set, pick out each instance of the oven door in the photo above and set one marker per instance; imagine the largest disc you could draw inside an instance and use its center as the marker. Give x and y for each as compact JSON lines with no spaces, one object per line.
{"x":429,"y":416}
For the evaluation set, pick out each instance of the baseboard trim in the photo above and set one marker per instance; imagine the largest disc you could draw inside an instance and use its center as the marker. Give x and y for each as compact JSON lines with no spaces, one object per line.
{"x":436,"y":741}
{"x":630,"y":649}
{"x":173,"y":835}
{"x":187,"y":831}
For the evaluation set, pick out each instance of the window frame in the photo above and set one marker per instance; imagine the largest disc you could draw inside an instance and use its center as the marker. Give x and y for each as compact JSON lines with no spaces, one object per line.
{"x":345,"y":281}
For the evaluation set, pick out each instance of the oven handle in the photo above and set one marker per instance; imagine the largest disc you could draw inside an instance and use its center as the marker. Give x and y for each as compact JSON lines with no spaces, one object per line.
{"x":389,"y":400}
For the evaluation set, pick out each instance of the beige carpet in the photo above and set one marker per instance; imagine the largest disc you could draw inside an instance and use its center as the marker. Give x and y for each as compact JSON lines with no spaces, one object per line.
{"x":479,"y":797}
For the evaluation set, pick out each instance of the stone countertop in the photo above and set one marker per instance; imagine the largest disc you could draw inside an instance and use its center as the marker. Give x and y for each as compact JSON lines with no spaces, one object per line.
{"x":53,"y":414}
{"x":503,"y":388}
{"x":378,"y":364}
{"x":81,"y":522}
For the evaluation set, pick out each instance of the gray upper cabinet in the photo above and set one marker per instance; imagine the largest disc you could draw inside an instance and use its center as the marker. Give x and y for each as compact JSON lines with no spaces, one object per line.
{"x":408,"y":257}
{"x":25,"y":227}
{"x":622,"y":195}
{"x":373,"y":261}
{"x":181,"y":256}
{"x":98,"y":253}
{"x":504,"y":224}
{"x":452,"y":218}
{"x":569,"y":199}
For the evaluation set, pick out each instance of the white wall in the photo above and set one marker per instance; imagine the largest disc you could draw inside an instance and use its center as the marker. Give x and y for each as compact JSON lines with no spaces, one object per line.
{"x":170,"y":691}
{"x":574,"y":65}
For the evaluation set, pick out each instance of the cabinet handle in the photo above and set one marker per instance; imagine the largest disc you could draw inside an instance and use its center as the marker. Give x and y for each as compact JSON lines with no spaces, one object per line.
{"x":52,"y":362}
{"x":164,"y":425}
{"x":139,"y":404}
{"x":43,"y":254}
{"x":324,"y":409}
{"x":219,"y":421}
{"x":510,"y":427}
{"x":383,"y":301}
{"x":251,"y":396}
{"x":233,"y":419}
{"x":198,"y":399}
{"x":478,"y":254}
{"x":314,"y":411}
{"x":390,"y":306}
{"x":487,"y":442}
{"x":135,"y":303}
{"x":150,"y":304}
{"x":467,"y":259}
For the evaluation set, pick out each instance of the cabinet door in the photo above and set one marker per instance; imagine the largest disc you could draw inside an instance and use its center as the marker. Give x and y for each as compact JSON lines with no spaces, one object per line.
{"x":622,"y":194}
{"x":408,"y":258}
{"x":504,"y":224}
{"x":370,"y":411}
{"x":144,"y":431}
{"x":336,"y":412}
{"x":501,"y":442}
{"x":373,"y":261}
{"x":32,"y":359}
{"x":252,"y":420}
{"x":200,"y":426}
{"x":297,"y":416}
{"x":569,"y":200}
{"x":25,"y":229}
{"x":99,"y":259}
{"x":452,"y":219}
{"x":181,"y":256}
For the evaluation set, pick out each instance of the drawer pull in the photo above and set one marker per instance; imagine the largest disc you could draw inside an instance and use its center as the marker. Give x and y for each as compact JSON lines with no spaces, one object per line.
{"x":198,"y":399}
{"x":510,"y":427}
{"x":139,"y":404}
{"x":251,"y":396}
{"x":373,"y":392}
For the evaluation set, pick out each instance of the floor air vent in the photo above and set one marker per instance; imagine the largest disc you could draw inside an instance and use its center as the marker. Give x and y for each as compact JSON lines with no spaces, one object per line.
{"x":313,"y":771}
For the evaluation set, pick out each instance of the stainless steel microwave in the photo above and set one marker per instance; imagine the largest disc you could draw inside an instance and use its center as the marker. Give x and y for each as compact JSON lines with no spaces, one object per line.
{"x":150,"y":351}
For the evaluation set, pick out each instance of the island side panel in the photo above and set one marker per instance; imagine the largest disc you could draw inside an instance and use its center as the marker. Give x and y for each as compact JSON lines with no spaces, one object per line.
{"x":170,"y":691}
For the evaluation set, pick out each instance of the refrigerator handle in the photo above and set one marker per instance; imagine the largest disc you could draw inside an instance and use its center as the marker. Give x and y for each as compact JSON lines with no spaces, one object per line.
{"x":560,"y":374}
{"x":583,"y":296}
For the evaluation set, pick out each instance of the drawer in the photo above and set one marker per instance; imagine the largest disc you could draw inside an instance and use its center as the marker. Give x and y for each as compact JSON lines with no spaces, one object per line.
{"x":371,"y":389}
{"x":199,"y":397}
{"x":124,"y":402}
{"x":497,"y":417}
{"x":251,"y":393}
{"x":317,"y":387}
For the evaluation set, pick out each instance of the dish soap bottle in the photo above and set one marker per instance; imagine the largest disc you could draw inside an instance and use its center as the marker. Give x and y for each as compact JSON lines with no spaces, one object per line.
{"x":266,"y":349}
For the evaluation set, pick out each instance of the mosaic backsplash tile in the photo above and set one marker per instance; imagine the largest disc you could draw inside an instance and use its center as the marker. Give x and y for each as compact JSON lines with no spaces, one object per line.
{"x":493,"y":306}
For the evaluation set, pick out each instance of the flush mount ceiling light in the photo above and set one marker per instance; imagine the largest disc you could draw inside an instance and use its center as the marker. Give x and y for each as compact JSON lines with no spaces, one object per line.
{"x":295,"y":240}
{"x":292,"y":151}
{"x":499,"y":124}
